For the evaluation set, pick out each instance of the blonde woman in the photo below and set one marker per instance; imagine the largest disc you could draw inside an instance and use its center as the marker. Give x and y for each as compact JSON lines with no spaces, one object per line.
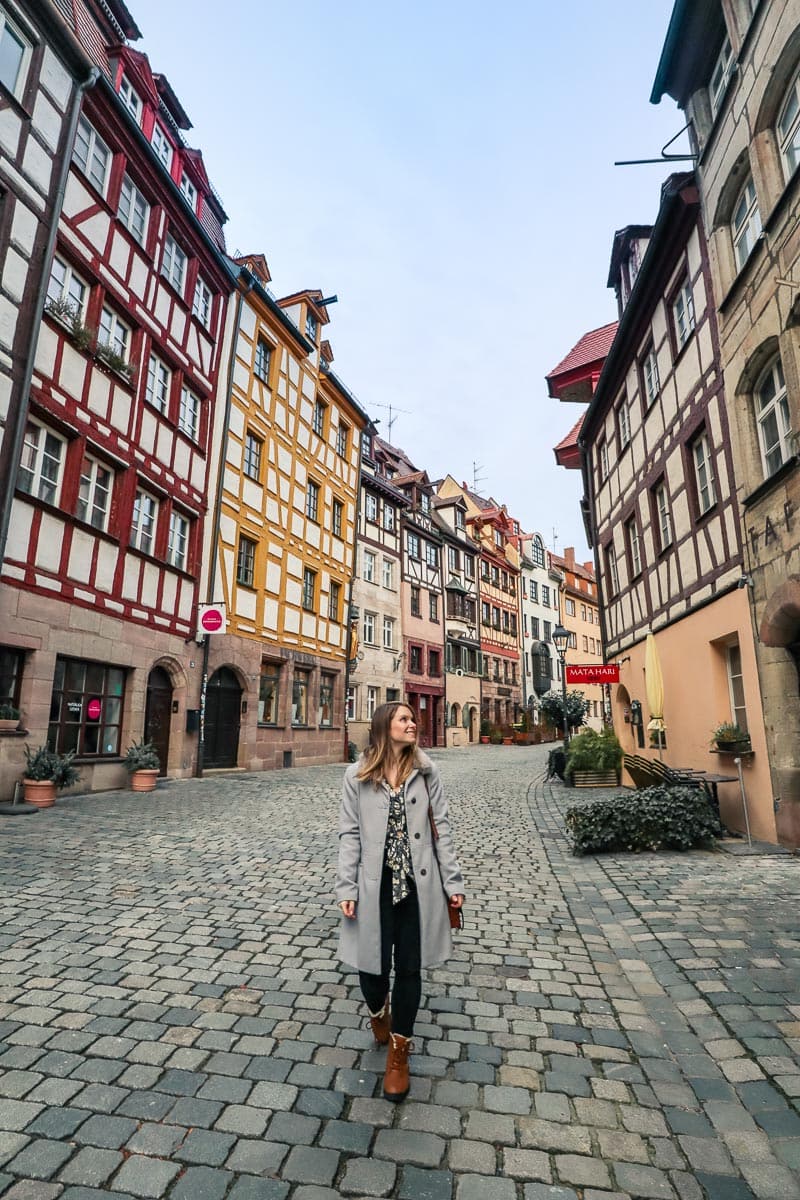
{"x":393,"y":884}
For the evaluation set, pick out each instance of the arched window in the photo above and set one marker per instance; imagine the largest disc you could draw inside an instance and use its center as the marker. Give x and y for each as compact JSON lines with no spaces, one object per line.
{"x":788,"y":128}
{"x":772,"y":417}
{"x":537,"y":551}
{"x":745,"y":222}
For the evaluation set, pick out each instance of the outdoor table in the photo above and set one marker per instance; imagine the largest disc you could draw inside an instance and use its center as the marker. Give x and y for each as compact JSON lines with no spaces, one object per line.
{"x":709,"y":780}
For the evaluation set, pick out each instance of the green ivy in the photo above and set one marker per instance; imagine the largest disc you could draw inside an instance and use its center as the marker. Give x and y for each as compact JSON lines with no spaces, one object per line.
{"x":656,"y":818}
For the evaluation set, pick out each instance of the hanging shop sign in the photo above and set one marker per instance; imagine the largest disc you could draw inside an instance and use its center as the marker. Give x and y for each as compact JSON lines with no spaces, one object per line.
{"x":592,"y":673}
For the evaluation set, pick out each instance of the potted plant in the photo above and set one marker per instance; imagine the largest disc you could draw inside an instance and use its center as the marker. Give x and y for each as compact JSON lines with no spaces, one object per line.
{"x":594,"y":759}
{"x":730,"y":738}
{"x":495,"y":735}
{"x":47,"y":773}
{"x":508,"y":735}
{"x":9,"y":717}
{"x":143,"y":765}
{"x":485,"y":731}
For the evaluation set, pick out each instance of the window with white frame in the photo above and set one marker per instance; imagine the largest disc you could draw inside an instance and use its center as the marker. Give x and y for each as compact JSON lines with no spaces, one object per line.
{"x":253,"y":447}
{"x":246,"y":561}
{"x":704,"y":473}
{"x":388,"y":633}
{"x":683,"y":313}
{"x":469,"y":566}
{"x":178,"y":544}
{"x":162,"y":145}
{"x":114,"y":333}
{"x":133,"y":210}
{"x":143,"y":523}
{"x":312,"y":500}
{"x":634,"y":547}
{"x":94,"y":493}
{"x":720,"y":76}
{"x":433,"y":607}
{"x":369,"y":629}
{"x":373,"y":695}
{"x":652,"y":384}
{"x":156,"y":389}
{"x":736,"y":686}
{"x":388,"y":517}
{"x":623,"y":423}
{"x":337,"y":520}
{"x":318,"y":418}
{"x":663,"y":516}
{"x":602,"y":459}
{"x":92,"y":154}
{"x":342,"y":434}
{"x":431,"y":554}
{"x":201,"y":304}
{"x":189,"y":412}
{"x":173,"y":264}
{"x":15,"y":56}
{"x":334,"y":601}
{"x":309,"y":589}
{"x":42,"y":463}
{"x":368,"y":566}
{"x":772,"y":415}
{"x":453,"y":559}
{"x":746,"y":223}
{"x":66,"y":291}
{"x":189,"y":191}
{"x":312,"y":327}
{"x":612,"y":570}
{"x":537,"y":553}
{"x":350,"y":703}
{"x":413,"y":545}
{"x":388,"y":574}
{"x":131,"y":99}
{"x":370,"y":507}
{"x":459,"y":519}
{"x":262,"y":360}
{"x":788,"y":128}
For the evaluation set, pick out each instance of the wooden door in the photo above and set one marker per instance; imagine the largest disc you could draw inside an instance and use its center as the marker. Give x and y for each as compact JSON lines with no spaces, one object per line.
{"x":158,"y":714}
{"x":223,"y":717}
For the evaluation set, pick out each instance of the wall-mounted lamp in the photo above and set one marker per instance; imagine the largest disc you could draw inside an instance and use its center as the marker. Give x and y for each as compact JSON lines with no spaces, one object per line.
{"x":745,"y":581}
{"x":620,"y":661}
{"x":396,"y":663}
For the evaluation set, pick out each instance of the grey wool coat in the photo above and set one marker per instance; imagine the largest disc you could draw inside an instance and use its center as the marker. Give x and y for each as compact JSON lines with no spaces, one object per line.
{"x":363,"y":821}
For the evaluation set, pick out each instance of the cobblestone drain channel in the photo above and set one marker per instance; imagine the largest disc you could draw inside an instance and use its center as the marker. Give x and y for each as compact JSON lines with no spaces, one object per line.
{"x":173,"y":1021}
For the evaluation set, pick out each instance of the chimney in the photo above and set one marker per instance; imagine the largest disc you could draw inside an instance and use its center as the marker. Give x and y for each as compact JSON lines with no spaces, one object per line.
{"x":569,"y":557}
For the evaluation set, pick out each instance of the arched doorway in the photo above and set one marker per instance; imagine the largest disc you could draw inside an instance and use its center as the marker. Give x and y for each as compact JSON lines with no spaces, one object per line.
{"x":471,"y":722}
{"x":223,"y":717}
{"x":158,"y":714}
{"x":622,"y":719}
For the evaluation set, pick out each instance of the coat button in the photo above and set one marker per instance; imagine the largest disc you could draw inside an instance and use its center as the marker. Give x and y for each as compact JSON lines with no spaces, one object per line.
{"x":416,"y":835}
{"x":413,"y":799}
{"x":423,"y":871}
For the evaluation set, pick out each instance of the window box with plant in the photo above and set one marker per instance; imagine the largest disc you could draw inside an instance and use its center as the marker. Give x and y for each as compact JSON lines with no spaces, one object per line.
{"x":47,"y":773}
{"x":594,"y":759}
{"x":142,"y":763}
{"x":730,"y":738}
{"x":9,"y":717}
{"x":67,"y":313}
{"x":111,"y":358}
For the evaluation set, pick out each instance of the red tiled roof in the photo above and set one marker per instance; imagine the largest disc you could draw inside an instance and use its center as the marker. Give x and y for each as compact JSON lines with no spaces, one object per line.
{"x":571,"y":439}
{"x":592,"y":346}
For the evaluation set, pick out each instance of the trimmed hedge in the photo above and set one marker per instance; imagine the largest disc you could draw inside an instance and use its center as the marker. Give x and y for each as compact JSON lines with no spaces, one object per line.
{"x":656,"y":818}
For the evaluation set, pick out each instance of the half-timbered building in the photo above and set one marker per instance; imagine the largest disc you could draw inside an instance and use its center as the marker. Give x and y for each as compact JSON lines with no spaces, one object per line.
{"x":100,"y":576}
{"x":463,"y":661}
{"x":579,"y":613}
{"x":536,"y":618}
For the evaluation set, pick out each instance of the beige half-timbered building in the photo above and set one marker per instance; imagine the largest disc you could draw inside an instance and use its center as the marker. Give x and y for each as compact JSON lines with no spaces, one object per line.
{"x":462,"y":651}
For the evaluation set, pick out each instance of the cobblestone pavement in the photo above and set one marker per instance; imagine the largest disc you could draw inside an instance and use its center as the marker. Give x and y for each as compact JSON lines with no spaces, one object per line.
{"x":173,"y":1021}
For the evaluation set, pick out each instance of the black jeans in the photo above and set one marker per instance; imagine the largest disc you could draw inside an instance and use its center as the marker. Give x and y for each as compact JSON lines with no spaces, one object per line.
{"x":399,"y":933}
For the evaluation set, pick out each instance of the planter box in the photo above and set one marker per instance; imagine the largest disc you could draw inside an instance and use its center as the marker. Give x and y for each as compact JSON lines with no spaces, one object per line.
{"x":595,"y":778}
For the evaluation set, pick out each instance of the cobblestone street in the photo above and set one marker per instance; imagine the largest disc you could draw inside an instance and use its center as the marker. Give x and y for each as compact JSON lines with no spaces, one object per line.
{"x":174,"y":1021}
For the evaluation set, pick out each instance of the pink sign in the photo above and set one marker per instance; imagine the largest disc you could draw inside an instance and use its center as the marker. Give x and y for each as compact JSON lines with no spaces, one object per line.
{"x":93,"y":710}
{"x":211,"y":620}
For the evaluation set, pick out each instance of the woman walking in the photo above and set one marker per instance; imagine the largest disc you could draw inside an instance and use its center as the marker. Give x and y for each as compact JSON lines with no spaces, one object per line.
{"x":393,"y":883}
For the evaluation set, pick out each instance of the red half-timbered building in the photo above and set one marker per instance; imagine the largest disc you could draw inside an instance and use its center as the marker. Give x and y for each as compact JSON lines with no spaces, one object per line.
{"x":98,"y":591}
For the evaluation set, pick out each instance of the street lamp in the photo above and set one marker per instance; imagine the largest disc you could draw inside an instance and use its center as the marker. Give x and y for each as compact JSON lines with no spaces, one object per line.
{"x":561,"y":638}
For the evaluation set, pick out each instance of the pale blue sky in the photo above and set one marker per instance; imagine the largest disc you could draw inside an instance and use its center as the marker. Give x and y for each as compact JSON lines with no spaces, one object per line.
{"x":447,"y":169}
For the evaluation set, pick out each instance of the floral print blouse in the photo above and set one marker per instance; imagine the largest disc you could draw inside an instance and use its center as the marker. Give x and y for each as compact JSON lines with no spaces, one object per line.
{"x":397,"y":855}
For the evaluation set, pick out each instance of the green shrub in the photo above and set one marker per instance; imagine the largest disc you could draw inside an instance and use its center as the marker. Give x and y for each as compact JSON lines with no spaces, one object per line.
{"x":657,"y":818}
{"x":592,"y":751}
{"x":42,"y":765}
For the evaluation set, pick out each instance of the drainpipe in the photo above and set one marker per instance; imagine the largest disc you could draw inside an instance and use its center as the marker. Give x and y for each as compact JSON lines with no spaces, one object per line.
{"x":215,"y":534}
{"x":17,"y":434}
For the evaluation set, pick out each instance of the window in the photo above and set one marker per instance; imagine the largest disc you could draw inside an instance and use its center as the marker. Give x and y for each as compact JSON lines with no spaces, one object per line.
{"x":246,"y":562}
{"x":547,"y":630}
{"x":431,"y":554}
{"x":15,"y":54}
{"x":704,"y":473}
{"x":42,"y":461}
{"x":415,"y":660}
{"x":130,"y":99}
{"x":156,"y":389}
{"x":338,"y":514}
{"x":173,"y":264}
{"x":623,"y":423}
{"x":433,"y":606}
{"x":369,"y":629}
{"x":459,"y":519}
{"x":652,"y":384}
{"x":424,"y":502}
{"x":334,"y":601}
{"x":611,"y":570}
{"x":371,"y":508}
{"x":312,"y":500}
{"x":189,"y":413}
{"x":373,"y":696}
{"x":189,"y":191}
{"x":434,"y":662}
{"x":300,"y":688}
{"x":584,"y":614}
{"x":453,"y":559}
{"x":683,"y":313}
{"x":495,"y":617}
{"x":342,"y":436}
{"x":663,"y":518}
{"x":66,"y":291}
{"x":114,"y":334}
{"x":634,"y":547}
{"x":788,"y":128}
{"x":413,"y":545}
{"x":736,"y":686}
{"x":178,"y":546}
{"x":92,"y":154}
{"x":143,"y":523}
{"x":506,"y":621}
{"x":537,"y":552}
{"x":534,"y":591}
{"x":269,"y":693}
{"x":388,"y":517}
{"x":569,"y":608}
{"x":720,"y":76}
{"x":368,"y":566}
{"x":133,"y":210}
{"x":325,"y":714}
{"x":94,"y":493}
{"x":545,"y":595}
{"x":495,"y":576}
{"x":350,"y":706}
{"x":469,"y":566}
{"x":252,"y":456}
{"x":388,"y":633}
{"x":201,"y":304}
{"x":602,"y":459}
{"x":318,"y":418}
{"x":484,"y":569}
{"x":309,"y":589}
{"x":486,"y":615}
{"x":10,"y":676}
{"x":415,"y":608}
{"x":772,"y":414}
{"x":388,"y":574}
{"x":262,"y":360}
{"x":312,"y":327}
{"x":162,"y":146}
{"x":535,"y":628}
{"x":86,"y":708}
{"x":746,"y":223}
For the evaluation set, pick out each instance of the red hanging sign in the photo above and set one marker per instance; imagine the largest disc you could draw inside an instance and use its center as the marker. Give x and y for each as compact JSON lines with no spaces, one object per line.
{"x":607,"y":673}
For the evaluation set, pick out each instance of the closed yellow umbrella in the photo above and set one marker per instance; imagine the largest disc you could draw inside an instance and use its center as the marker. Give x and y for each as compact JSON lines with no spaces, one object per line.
{"x":654,"y":682}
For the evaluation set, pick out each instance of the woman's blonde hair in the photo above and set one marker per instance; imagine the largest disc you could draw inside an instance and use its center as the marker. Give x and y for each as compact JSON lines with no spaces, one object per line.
{"x":379,"y":751}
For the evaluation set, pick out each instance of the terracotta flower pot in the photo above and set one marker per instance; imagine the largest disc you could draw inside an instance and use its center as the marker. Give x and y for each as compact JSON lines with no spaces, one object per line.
{"x":41,"y":792}
{"x":9,"y":724}
{"x":484,"y":740}
{"x":144,"y":780}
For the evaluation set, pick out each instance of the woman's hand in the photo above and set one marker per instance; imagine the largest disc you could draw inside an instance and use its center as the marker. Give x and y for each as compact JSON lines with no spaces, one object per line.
{"x":457,"y":901}
{"x":348,"y":907}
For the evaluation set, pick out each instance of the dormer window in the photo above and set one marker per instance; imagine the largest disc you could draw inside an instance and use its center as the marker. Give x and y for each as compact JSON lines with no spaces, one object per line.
{"x":498,"y":539}
{"x":720,"y":76}
{"x":459,"y":519}
{"x":189,"y":192}
{"x":425,"y":502}
{"x":312,"y":327}
{"x":130,"y":99}
{"x":162,"y":146}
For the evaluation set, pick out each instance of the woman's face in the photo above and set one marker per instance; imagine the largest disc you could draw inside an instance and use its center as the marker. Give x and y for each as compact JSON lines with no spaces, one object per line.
{"x":403,"y":729}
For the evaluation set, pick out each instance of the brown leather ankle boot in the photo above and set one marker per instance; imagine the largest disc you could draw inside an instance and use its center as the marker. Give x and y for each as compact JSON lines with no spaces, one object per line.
{"x":395,"y":1081}
{"x":381,"y":1023}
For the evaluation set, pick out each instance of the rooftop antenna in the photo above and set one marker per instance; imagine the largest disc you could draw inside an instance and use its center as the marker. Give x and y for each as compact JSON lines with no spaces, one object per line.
{"x":555,"y":538}
{"x":477,"y":475}
{"x":392,"y":418}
